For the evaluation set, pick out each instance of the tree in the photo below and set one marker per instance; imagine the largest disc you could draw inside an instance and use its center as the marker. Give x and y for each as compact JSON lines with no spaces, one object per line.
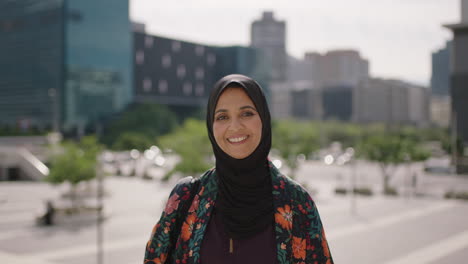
{"x":75,"y":163}
{"x":390,"y":150}
{"x":191,"y":142}
{"x":132,"y":140}
{"x":293,"y":138}
{"x":150,"y":120}
{"x":345,"y":133}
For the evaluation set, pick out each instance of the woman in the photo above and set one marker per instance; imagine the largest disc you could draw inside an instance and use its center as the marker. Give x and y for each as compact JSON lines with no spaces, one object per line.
{"x":243,"y":210}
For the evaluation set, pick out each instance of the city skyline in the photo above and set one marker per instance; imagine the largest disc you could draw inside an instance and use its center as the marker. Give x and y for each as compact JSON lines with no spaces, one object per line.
{"x":383,"y":32}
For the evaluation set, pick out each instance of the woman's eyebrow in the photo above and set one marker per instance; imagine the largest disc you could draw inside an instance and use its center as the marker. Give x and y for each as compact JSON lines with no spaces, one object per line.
{"x":248,"y":106}
{"x":241,"y":108}
{"x":220,"y":110}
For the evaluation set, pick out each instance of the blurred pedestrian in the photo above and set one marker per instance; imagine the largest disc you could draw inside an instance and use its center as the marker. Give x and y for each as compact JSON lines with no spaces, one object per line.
{"x":49,"y":213}
{"x":243,"y":210}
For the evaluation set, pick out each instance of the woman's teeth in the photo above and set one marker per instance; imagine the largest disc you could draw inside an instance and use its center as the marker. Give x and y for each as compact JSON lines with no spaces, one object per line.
{"x":238,"y":139}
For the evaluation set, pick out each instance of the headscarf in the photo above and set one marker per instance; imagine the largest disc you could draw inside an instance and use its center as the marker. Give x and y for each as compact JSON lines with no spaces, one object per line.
{"x":245,"y":198}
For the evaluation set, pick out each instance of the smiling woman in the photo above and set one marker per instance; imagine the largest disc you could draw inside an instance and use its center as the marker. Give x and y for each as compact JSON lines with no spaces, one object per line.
{"x":237,"y":127}
{"x":243,"y":210}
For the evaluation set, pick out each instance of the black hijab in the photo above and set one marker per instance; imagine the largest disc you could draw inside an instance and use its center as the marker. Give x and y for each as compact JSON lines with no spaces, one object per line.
{"x":245,"y":199}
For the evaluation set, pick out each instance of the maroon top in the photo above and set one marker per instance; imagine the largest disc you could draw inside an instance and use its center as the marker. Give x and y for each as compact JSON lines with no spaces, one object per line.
{"x":258,"y":249}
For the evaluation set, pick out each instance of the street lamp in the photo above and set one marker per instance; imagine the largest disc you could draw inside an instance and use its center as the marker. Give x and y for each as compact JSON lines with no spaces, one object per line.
{"x":350,"y":158}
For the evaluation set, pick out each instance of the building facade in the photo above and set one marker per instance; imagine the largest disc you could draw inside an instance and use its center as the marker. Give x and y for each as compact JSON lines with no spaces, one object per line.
{"x":172,"y":72}
{"x":440,"y":78}
{"x":268,"y":35}
{"x":337,"y":102}
{"x":67,"y":64}
{"x":391,"y":102}
{"x":31,"y":64}
{"x":440,"y":110}
{"x":341,"y":67}
{"x":332,"y":69}
{"x":459,"y":89}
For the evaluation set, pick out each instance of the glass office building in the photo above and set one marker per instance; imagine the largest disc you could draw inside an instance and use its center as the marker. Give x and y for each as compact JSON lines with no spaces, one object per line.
{"x":67,"y":63}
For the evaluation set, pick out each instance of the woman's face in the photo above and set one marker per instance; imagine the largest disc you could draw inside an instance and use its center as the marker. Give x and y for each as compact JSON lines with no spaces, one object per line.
{"x":237,"y":127}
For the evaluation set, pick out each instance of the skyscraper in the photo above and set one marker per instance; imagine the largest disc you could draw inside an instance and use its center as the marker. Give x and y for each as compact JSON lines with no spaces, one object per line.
{"x":269,"y":36}
{"x":459,"y":89}
{"x":440,"y":79}
{"x":67,"y":63}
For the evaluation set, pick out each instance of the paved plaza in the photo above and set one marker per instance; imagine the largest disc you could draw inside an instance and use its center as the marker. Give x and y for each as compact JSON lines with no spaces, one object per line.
{"x":403,"y":229}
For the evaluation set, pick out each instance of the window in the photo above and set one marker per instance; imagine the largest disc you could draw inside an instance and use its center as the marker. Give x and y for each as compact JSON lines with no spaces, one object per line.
{"x":199,"y":73}
{"x":187,"y":88}
{"x":147,"y":84}
{"x":149,"y":42}
{"x":140,"y":57}
{"x":199,"y":50}
{"x":166,"y":61}
{"x":181,"y":71}
{"x":162,"y":86}
{"x":75,"y":15}
{"x":176,"y":46}
{"x":211,"y":59}
{"x":199,"y":89}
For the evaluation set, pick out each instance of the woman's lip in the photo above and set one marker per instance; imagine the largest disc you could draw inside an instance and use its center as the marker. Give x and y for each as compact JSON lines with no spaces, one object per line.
{"x":239,"y":142}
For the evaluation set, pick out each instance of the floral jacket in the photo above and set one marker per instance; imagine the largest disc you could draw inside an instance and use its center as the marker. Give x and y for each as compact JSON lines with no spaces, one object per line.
{"x":299,"y":233}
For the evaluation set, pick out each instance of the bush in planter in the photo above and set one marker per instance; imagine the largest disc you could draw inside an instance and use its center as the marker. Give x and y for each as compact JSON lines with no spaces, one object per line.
{"x":463,"y":195}
{"x":341,"y":190}
{"x":390,"y":191}
{"x":366,"y":191}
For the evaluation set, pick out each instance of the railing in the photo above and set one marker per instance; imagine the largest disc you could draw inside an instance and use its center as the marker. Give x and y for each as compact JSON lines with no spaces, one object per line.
{"x":31,"y":167}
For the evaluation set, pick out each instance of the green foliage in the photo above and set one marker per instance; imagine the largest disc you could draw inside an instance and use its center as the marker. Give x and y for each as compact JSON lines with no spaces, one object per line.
{"x":191,"y":142}
{"x":132,"y":140}
{"x":462,"y":195}
{"x":391,"y":149}
{"x":150,"y":120}
{"x":347,"y":134}
{"x":77,"y":162}
{"x":292,"y":138}
{"x":9,"y":130}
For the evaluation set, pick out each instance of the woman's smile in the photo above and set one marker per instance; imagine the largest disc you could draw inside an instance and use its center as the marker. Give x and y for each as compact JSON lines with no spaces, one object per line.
{"x":237,"y":140}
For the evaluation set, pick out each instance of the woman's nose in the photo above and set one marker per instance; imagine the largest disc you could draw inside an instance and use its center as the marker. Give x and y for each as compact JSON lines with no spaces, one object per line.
{"x":235,"y":124}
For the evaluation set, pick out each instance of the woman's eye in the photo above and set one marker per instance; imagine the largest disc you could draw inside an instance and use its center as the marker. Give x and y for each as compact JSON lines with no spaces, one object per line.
{"x":248,"y":113}
{"x":221,"y":117}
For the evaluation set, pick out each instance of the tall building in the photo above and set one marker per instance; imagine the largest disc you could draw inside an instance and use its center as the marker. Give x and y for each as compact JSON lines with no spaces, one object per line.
{"x":337,"y":102}
{"x":306,"y":101}
{"x":243,"y":60}
{"x":390,"y":101}
{"x":342,"y":67}
{"x":334,"y":68}
{"x":440,"y":111}
{"x":459,"y":89}
{"x":65,"y":64}
{"x":173,"y":72}
{"x":440,"y":79}
{"x":269,"y":36}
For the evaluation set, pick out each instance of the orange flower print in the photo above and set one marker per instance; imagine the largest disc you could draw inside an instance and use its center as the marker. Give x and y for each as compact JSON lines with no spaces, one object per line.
{"x":326,"y":250}
{"x":188,"y":227}
{"x":195,"y":204}
{"x":172,"y":204}
{"x":299,"y":247}
{"x":160,"y":260}
{"x":284,"y":217}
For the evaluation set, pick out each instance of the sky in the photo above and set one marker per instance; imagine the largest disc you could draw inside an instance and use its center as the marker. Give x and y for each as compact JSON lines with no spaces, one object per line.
{"x":396,"y":36}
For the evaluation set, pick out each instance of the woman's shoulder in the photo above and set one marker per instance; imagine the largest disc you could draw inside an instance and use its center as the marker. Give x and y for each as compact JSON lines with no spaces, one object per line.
{"x":297,"y":192}
{"x":187,"y":183}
